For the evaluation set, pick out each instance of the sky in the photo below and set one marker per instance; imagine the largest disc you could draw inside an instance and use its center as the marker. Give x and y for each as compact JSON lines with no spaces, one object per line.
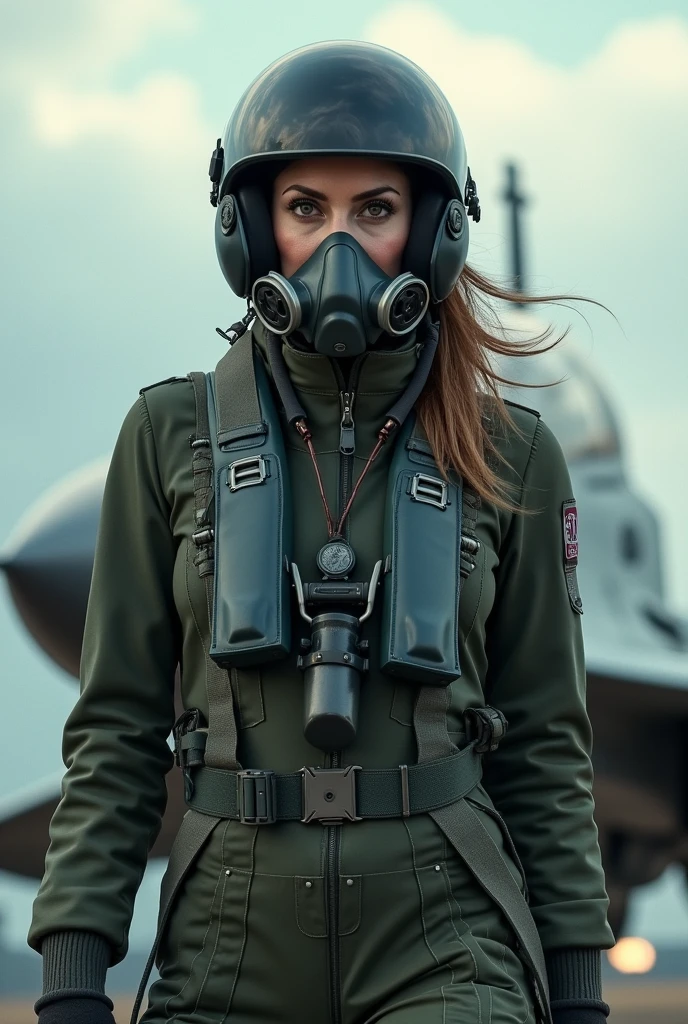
{"x":108,"y":116}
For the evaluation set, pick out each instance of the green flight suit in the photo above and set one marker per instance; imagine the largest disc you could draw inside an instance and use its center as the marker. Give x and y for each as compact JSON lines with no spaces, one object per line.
{"x":372,"y":921}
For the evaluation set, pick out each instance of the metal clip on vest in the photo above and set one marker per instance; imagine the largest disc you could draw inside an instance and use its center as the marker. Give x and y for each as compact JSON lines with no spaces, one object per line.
{"x":189,"y":747}
{"x":487,"y":726}
{"x":334,"y":658}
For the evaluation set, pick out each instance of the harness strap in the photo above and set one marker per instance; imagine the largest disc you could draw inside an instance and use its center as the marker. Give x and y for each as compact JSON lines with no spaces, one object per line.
{"x":376,"y":793}
{"x":465,"y":831}
{"x":193,"y":833}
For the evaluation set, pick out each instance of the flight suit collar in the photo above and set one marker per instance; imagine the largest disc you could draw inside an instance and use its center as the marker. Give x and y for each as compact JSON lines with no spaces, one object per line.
{"x":377,"y":380}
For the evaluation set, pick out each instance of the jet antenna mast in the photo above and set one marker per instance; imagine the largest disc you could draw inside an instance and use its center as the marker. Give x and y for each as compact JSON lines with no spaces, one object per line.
{"x":515,"y":200}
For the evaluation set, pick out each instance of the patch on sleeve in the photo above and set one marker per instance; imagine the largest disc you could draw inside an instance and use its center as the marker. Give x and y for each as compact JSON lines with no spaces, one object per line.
{"x":569,"y":512}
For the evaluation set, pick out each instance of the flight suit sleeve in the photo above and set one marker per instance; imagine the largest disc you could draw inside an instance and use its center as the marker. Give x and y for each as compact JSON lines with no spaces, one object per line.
{"x":115,"y":740}
{"x":540,"y":778}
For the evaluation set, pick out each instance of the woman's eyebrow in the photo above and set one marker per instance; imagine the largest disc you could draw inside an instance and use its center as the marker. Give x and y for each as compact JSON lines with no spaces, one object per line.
{"x":307,"y":191}
{"x":369,"y":194}
{"x":374,"y":192}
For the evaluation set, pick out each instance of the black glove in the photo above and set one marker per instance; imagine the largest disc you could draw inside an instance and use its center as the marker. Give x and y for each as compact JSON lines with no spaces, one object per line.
{"x":78,"y":1010}
{"x":572,"y":1015}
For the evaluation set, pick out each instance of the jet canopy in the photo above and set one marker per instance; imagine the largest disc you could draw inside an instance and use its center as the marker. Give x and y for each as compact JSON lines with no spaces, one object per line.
{"x":576,"y":407}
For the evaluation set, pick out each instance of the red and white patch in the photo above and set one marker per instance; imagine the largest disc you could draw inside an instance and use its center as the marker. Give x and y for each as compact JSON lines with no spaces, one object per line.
{"x":570,"y":520}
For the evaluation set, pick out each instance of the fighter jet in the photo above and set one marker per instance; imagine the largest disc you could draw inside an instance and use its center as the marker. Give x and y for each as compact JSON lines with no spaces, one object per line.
{"x":636,"y":649}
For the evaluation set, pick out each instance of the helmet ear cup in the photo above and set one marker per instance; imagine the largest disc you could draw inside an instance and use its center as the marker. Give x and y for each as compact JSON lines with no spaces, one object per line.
{"x":449,"y":250}
{"x":244,"y":238}
{"x":438,"y":242}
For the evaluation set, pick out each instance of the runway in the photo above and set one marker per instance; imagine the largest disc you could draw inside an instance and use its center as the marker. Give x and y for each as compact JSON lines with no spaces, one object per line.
{"x":643,"y":1003}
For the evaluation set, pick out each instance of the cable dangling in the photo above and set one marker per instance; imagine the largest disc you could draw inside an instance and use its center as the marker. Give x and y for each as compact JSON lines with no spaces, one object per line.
{"x":240,"y":327}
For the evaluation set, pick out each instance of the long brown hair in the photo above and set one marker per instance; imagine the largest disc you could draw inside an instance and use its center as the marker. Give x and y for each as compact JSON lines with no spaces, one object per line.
{"x":461,"y":403}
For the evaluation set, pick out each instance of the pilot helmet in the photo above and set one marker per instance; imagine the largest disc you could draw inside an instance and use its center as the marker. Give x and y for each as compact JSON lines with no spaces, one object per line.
{"x":343,"y":98}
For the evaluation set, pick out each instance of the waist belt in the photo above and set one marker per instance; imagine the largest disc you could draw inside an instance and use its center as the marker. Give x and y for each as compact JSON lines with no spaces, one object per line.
{"x":350,"y":793}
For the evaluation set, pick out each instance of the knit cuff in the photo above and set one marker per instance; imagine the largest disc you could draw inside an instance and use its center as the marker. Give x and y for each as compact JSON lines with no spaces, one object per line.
{"x":74,"y":960}
{"x":82,"y":998}
{"x":575,"y":979}
{"x":579,"y":1017}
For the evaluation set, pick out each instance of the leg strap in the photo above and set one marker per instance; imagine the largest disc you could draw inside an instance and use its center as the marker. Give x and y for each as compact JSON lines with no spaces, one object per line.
{"x":473,"y":843}
{"x":193,"y":834}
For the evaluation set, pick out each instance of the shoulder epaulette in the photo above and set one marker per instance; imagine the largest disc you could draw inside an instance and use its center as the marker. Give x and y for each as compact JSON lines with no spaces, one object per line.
{"x":525,"y":408}
{"x":168,"y":380}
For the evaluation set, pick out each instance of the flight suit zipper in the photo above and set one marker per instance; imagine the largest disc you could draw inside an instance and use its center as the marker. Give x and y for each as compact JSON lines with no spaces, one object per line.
{"x":347,"y":449}
{"x":347,"y":431}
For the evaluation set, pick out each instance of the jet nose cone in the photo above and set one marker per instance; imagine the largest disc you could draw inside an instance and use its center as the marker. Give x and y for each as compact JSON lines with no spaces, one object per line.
{"x":48,"y":563}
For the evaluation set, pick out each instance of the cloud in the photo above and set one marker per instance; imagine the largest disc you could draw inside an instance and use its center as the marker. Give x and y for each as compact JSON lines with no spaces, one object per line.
{"x":63,"y":77}
{"x":79,"y":38}
{"x":590,"y":136}
{"x":160,"y":116}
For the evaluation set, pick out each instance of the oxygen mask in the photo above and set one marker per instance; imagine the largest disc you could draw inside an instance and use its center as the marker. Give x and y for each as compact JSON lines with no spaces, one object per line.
{"x":340,"y":300}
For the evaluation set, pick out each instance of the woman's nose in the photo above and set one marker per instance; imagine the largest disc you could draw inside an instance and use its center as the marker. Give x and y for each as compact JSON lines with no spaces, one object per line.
{"x":339,"y":221}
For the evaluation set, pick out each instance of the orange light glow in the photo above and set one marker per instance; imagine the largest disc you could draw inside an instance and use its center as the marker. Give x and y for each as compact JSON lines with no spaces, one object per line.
{"x":632,"y":956}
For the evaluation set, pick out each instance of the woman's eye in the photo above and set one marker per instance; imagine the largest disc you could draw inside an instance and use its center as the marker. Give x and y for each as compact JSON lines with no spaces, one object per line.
{"x":379,"y":210}
{"x":304,"y":208}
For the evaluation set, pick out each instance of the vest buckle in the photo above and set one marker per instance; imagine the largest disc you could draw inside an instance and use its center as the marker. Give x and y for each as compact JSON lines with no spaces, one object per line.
{"x":247,"y":472}
{"x":329,"y":794}
{"x":487,"y":726}
{"x":256,"y":797}
{"x":430,"y":490}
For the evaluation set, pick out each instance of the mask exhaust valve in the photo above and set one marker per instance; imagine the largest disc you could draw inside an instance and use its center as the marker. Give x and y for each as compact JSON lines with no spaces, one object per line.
{"x":402,"y":305}
{"x":276,"y":303}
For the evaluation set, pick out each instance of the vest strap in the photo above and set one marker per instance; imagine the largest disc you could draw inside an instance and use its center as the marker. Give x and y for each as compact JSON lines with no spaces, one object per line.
{"x":236,"y":394}
{"x":222,"y":732}
{"x":373,"y":793}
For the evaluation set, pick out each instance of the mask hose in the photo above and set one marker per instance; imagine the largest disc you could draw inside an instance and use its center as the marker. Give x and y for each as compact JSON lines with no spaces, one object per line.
{"x":401,"y":408}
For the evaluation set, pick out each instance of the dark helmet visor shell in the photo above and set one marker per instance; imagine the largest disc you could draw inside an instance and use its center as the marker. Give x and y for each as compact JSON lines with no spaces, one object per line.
{"x":345,"y":98}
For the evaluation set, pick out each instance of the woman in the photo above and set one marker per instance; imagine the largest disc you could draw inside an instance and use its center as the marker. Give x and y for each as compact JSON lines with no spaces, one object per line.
{"x":385,"y":880}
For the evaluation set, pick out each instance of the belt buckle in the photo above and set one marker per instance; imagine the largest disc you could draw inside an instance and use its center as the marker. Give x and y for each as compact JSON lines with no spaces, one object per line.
{"x":329,"y":794}
{"x":256,"y":791}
